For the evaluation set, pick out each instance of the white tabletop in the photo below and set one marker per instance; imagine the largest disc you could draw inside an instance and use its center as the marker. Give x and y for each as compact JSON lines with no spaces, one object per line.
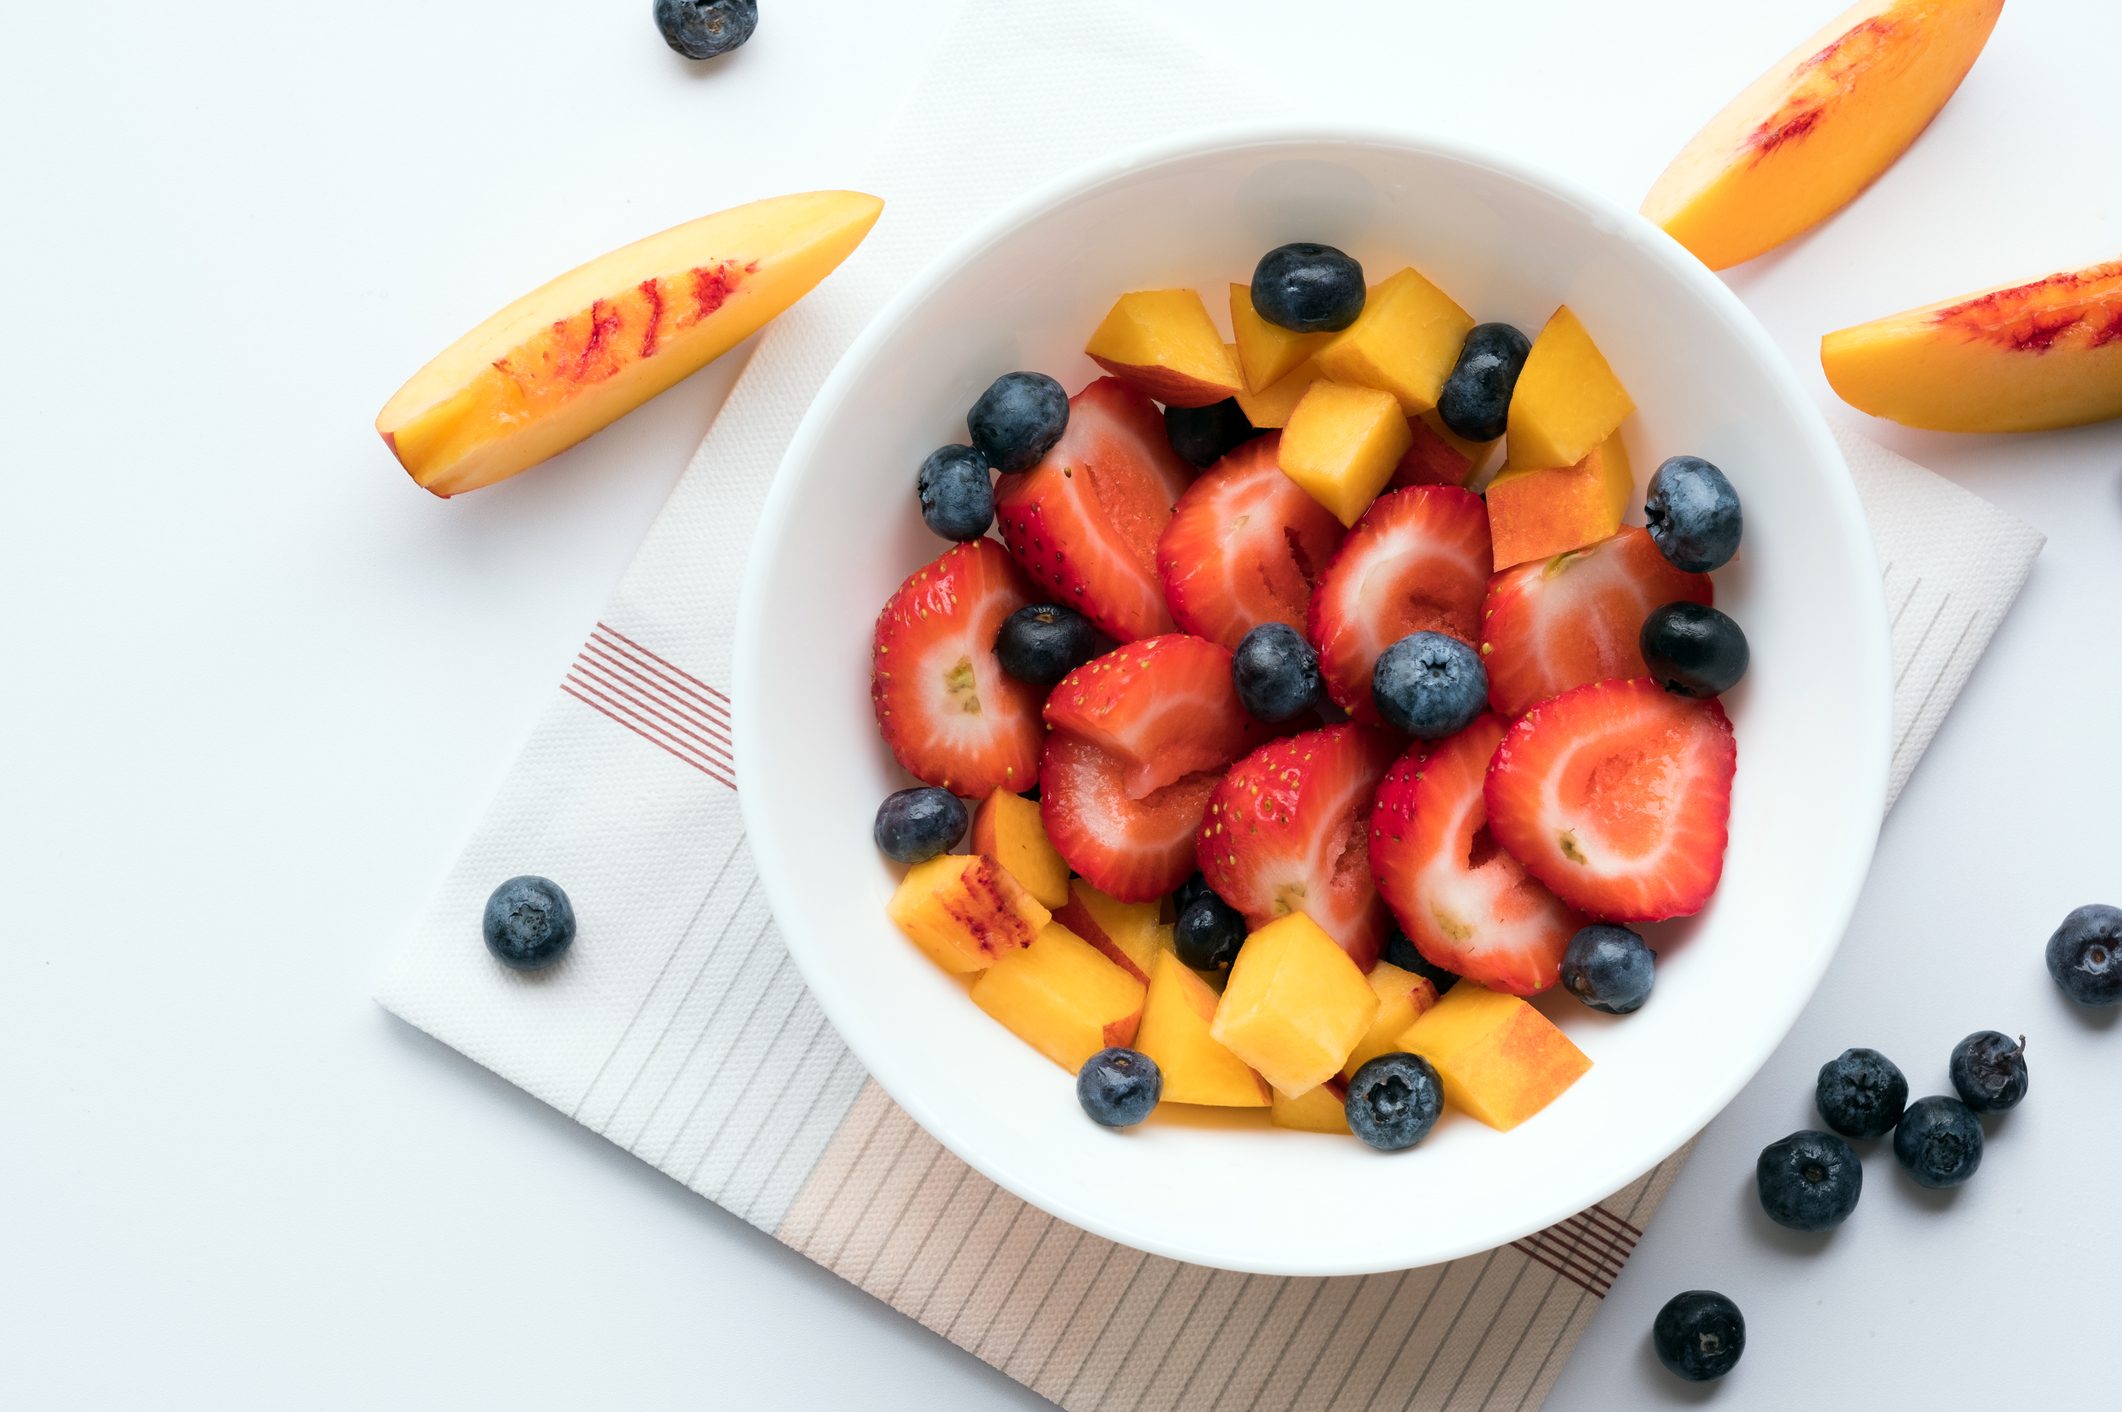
{"x":258,"y":687}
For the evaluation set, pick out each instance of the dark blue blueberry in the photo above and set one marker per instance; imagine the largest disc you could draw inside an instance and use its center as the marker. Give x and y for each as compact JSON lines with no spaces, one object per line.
{"x":1475,"y":402}
{"x":1692,"y":649}
{"x":1609,"y":968}
{"x":914,"y":825}
{"x":529,"y":923}
{"x":701,"y":29}
{"x":1276,"y":673}
{"x":2085,"y":955}
{"x":1693,"y":514}
{"x":1939,"y":1141}
{"x":1309,"y":288}
{"x":1118,"y":1087}
{"x":1809,"y":1181}
{"x":1043,"y":642}
{"x":1429,"y":685}
{"x":1402,"y":952}
{"x":1208,"y":933}
{"x":1189,"y":892}
{"x":957,"y":494}
{"x":1393,"y":1101}
{"x":1699,"y":1335}
{"x":1860,"y":1093}
{"x":1202,"y":435}
{"x":1018,"y":420}
{"x":1989,"y":1071}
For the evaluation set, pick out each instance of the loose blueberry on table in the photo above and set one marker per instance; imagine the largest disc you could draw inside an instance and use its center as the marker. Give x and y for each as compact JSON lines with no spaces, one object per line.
{"x":702,"y":29}
{"x":1809,"y":1181}
{"x":528,"y":923}
{"x":1939,"y":1141}
{"x":1861,"y":1093}
{"x":1988,"y":1071}
{"x":2085,"y":955}
{"x":1699,"y":1335}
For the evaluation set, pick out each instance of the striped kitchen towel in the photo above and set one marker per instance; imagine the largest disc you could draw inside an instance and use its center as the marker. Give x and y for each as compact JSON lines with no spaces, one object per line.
{"x":680,"y":1030}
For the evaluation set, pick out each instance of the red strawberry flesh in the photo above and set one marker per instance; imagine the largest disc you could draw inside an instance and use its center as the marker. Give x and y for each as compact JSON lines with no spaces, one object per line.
{"x":1133,"y":849}
{"x":1164,"y":707}
{"x":1244,"y":547}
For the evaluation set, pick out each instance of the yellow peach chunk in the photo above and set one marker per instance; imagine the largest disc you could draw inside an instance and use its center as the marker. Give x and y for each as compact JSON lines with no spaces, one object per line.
{"x":1006,"y":827}
{"x":1174,"y":1032}
{"x":1130,"y":934}
{"x":965,"y":911}
{"x":1402,"y":995}
{"x":1270,"y":407}
{"x":1322,"y":1110}
{"x":1163,"y":341}
{"x":1061,"y":997}
{"x":1404,"y":342}
{"x":1501,"y":1060}
{"x":1295,"y":1005}
{"x":1567,"y":400}
{"x":1266,"y":352}
{"x":1539,"y":512}
{"x":1342,"y":445}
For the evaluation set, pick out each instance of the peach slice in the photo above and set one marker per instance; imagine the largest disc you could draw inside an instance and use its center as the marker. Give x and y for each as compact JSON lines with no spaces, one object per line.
{"x":1322,"y":1110}
{"x":965,"y":911}
{"x":1163,"y":341}
{"x":1175,"y":1032}
{"x":1061,"y":997}
{"x":1130,"y":934}
{"x":584,"y":350}
{"x":1266,"y":352}
{"x":1404,"y":342}
{"x":1402,"y":995}
{"x":1501,"y":1060}
{"x":1567,"y":400}
{"x":2026,"y":357}
{"x":1342,"y":445}
{"x":1270,"y":407}
{"x":1815,"y":130}
{"x":1294,"y":1005}
{"x":1006,"y":828}
{"x":1537,"y":513}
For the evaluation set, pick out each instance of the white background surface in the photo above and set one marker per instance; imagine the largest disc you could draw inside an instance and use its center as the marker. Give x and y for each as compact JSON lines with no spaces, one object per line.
{"x":257,"y":687}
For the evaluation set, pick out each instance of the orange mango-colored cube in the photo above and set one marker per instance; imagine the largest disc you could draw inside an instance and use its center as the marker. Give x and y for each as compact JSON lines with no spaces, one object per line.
{"x":965,"y":911}
{"x":1006,"y":828}
{"x":1567,"y":399}
{"x":1539,"y":512}
{"x":1436,"y":455}
{"x":1295,"y":1005}
{"x":1270,"y":406}
{"x":1405,"y":342}
{"x":1501,"y":1060}
{"x":1163,"y":341}
{"x":1342,"y":444}
{"x":1174,"y":1032}
{"x":1267,"y":352}
{"x":1130,"y":934}
{"x":1402,"y":995}
{"x":1061,"y":997}
{"x":1323,"y":1110}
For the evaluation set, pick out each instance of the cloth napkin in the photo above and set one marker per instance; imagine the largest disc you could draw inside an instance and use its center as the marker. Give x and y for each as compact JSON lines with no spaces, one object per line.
{"x":679,"y":1029}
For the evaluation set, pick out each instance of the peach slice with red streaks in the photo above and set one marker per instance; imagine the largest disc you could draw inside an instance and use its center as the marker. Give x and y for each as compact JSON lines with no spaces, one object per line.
{"x":2025,"y":357}
{"x":589,"y":347}
{"x":1815,"y":130}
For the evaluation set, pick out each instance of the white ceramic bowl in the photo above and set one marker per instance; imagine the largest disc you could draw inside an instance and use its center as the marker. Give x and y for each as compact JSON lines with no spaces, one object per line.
{"x":841,"y":530}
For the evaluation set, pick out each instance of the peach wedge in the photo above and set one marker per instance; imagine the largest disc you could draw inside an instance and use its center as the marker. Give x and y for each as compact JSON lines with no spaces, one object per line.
{"x":1819,"y":127}
{"x":576,"y":354}
{"x":2026,"y":357}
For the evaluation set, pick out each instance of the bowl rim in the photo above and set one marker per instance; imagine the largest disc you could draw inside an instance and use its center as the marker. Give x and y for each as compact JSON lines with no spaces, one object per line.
{"x":1870,"y":730}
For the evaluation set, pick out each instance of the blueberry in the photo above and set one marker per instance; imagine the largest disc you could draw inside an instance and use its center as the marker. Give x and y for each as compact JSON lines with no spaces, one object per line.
{"x":1190,"y":892}
{"x":957,"y":495}
{"x":1809,"y":1181}
{"x":1276,"y":673}
{"x":1401,"y":952}
{"x":1989,"y":1071}
{"x":1208,"y":933}
{"x":1475,"y":402}
{"x":1693,"y":514}
{"x":1429,"y":685}
{"x":701,"y":29}
{"x":1309,"y":288}
{"x":1018,"y":420}
{"x":1201,"y":435}
{"x":529,"y":923}
{"x":1699,"y":1335}
{"x":2085,"y":955}
{"x":1692,"y":649}
{"x":914,"y":825}
{"x":1118,"y":1087}
{"x":1860,"y":1093}
{"x":1393,"y":1101}
{"x":1939,"y":1141}
{"x":1041,"y":643}
{"x":1609,"y":968}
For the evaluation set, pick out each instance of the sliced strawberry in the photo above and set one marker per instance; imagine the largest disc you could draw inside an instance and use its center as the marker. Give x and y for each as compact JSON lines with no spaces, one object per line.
{"x":1617,"y":796}
{"x":1084,"y":521}
{"x":1286,"y":832}
{"x":1467,"y":905}
{"x":1164,"y":707}
{"x":1556,"y":623}
{"x":944,"y":705}
{"x":1417,"y":561}
{"x":1133,"y":849}
{"x":1430,"y":459}
{"x":1244,"y":547}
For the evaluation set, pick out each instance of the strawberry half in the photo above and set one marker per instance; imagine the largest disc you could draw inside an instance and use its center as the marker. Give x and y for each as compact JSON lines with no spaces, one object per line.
{"x":1134,"y":849}
{"x":1467,"y":905}
{"x":1164,"y":707}
{"x":1417,"y":561}
{"x":1084,"y":522}
{"x":1617,"y":795}
{"x":1286,"y":832}
{"x":1244,"y":547}
{"x":1558,"y":623}
{"x":944,"y":705}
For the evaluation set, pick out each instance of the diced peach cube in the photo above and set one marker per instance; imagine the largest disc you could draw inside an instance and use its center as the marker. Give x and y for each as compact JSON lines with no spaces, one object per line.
{"x":1402,"y":995}
{"x":1130,"y":934}
{"x":1295,"y":1005}
{"x":1501,"y":1060}
{"x":1061,"y":997}
{"x":965,"y":911}
{"x":1539,"y":513}
{"x":1405,"y":342}
{"x":1323,"y":1110}
{"x":1567,"y":399}
{"x":1267,"y":352}
{"x":1341,"y":445}
{"x":1163,"y":341}
{"x":1175,"y":1020}
{"x":1270,"y":406}
{"x":1006,"y":828}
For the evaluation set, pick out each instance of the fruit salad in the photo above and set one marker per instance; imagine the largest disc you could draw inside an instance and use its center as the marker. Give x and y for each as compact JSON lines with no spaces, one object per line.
{"x":1306,"y":705}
